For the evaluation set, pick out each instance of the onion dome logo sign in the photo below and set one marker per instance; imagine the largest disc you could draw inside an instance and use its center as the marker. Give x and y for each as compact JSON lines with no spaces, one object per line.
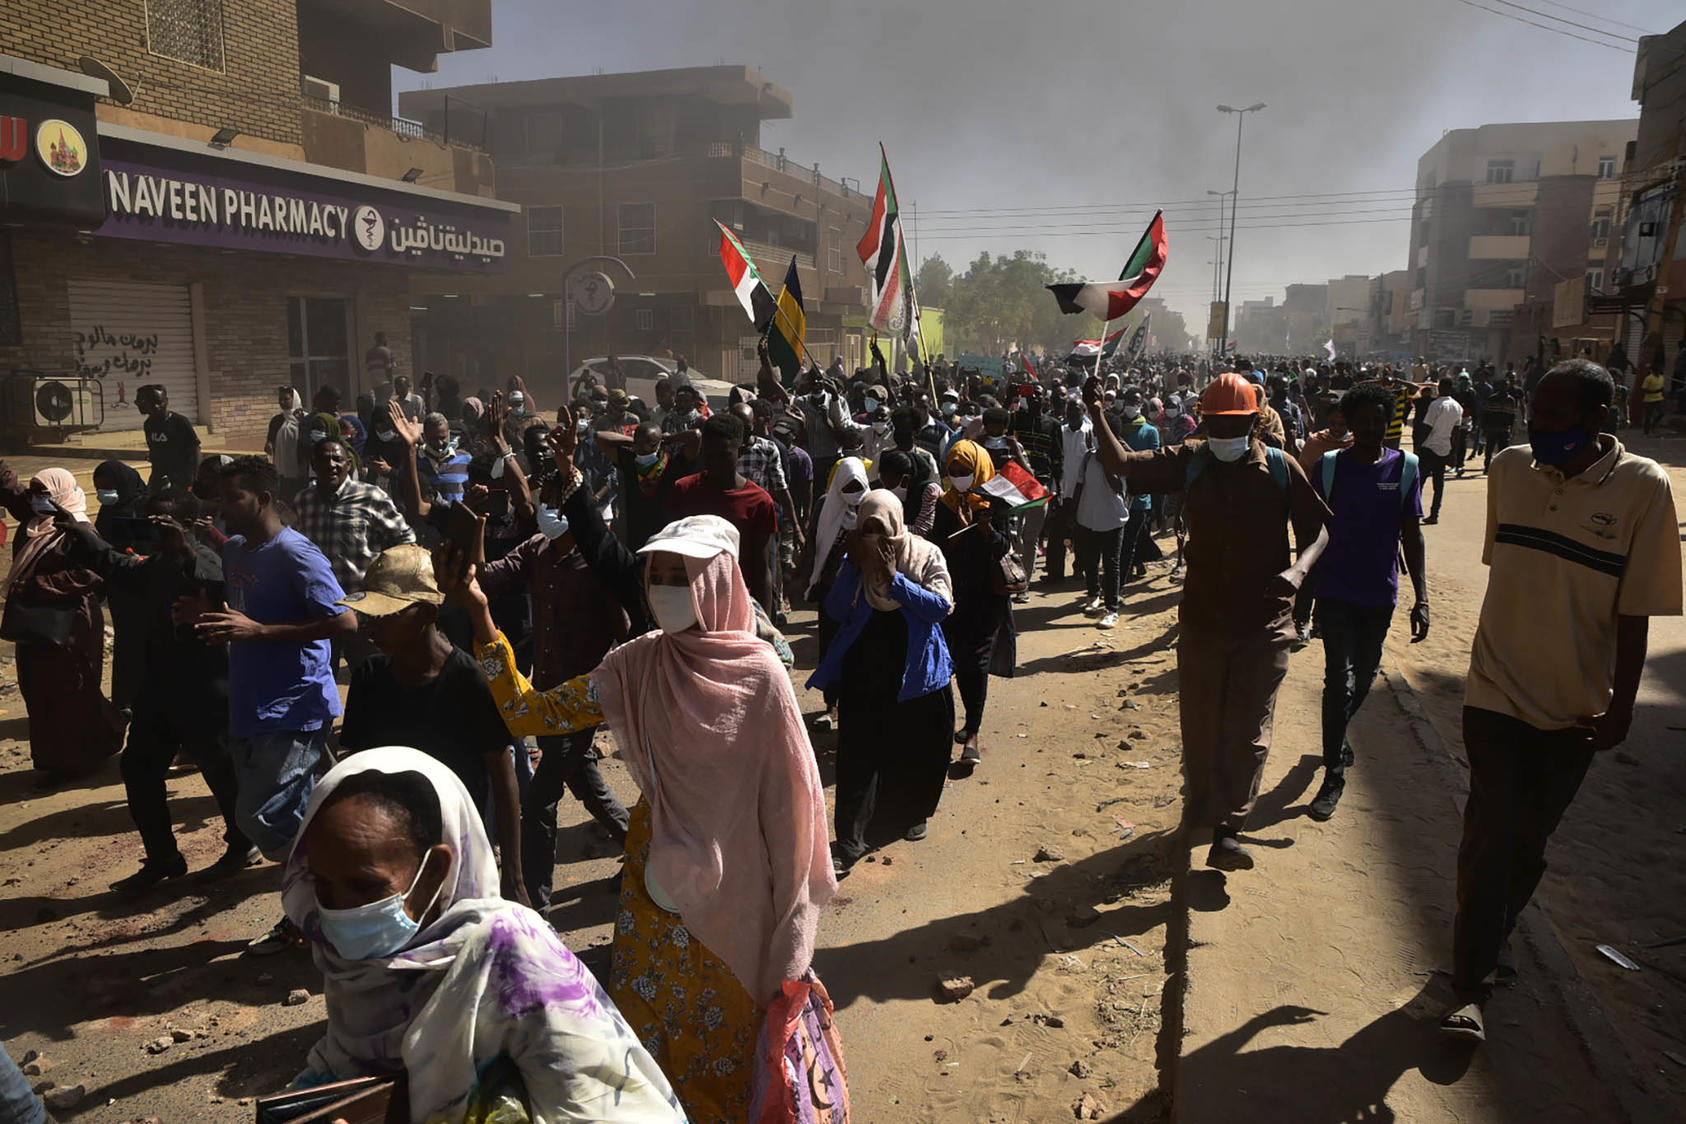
{"x":369,"y":228}
{"x":61,"y":148}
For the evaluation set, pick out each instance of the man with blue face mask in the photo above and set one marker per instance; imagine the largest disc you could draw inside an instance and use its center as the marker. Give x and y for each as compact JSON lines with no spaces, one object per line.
{"x":1583,"y":545}
{"x":1236,"y":618}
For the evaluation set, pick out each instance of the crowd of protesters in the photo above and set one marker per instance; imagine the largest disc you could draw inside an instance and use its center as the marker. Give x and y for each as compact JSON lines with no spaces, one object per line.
{"x":493,"y":583}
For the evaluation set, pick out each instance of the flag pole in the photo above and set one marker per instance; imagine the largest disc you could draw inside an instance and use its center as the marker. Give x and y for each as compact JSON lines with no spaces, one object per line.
{"x":912,"y":290}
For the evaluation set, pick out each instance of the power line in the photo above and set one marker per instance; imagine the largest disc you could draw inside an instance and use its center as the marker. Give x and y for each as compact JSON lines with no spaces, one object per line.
{"x":1571,"y":23}
{"x":1091,"y":234}
{"x":1595,"y":15}
{"x":1548,"y":27}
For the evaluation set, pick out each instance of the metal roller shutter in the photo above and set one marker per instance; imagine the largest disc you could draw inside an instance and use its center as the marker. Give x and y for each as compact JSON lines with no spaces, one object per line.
{"x":129,"y":333}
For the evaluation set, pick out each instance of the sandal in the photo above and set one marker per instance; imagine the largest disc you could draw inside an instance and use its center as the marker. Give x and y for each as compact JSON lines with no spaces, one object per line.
{"x":1464,"y":1024}
{"x":961,"y":737}
{"x":825,"y":722}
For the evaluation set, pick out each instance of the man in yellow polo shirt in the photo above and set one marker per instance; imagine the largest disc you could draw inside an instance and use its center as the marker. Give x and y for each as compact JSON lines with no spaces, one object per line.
{"x":1584,"y":547}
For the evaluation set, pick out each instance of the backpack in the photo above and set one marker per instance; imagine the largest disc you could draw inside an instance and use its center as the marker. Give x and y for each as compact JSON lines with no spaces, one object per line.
{"x":1275,"y":458}
{"x":1407,"y":476}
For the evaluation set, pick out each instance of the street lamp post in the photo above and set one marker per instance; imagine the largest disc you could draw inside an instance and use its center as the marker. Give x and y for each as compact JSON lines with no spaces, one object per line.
{"x":1229,"y":270}
{"x":1217,"y":266}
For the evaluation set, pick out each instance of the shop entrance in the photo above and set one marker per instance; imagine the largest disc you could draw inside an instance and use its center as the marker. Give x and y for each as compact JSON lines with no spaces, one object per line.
{"x":319,"y":347}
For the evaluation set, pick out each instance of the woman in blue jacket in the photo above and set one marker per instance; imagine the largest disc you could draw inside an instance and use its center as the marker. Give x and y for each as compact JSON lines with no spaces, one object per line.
{"x":890,"y":665}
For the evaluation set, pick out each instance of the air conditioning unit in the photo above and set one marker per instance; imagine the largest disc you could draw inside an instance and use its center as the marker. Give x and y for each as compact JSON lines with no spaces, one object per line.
{"x":59,"y":401}
{"x":321,"y":89}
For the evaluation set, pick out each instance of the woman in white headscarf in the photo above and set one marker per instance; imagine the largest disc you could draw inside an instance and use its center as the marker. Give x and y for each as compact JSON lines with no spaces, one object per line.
{"x":53,"y":616}
{"x":838,"y":511}
{"x":890,"y":667}
{"x":428,"y":971}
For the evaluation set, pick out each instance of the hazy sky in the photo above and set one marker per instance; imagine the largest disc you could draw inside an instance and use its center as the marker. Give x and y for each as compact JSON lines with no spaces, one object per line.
{"x":1059,"y":125}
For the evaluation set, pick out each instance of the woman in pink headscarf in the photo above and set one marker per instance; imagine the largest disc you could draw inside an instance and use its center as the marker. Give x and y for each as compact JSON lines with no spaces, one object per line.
{"x":53,"y":615}
{"x":727,"y":864}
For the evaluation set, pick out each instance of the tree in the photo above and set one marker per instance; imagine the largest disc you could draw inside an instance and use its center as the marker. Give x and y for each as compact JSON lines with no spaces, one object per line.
{"x":1001,"y":304}
{"x":934,"y":282}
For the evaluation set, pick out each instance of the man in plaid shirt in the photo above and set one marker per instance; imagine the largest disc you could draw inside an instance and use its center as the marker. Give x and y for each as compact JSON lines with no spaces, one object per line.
{"x":349,"y":521}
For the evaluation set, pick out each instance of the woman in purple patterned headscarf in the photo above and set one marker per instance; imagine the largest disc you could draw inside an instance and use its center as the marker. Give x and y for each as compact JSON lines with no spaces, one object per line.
{"x":429,"y":971}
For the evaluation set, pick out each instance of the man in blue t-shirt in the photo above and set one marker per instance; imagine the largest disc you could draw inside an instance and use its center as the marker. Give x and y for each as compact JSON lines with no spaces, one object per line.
{"x":1378,"y":506}
{"x":282,"y":610}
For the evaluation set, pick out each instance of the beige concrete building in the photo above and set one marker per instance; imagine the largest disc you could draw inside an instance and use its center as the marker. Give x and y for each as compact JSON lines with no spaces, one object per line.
{"x":1503,"y":214}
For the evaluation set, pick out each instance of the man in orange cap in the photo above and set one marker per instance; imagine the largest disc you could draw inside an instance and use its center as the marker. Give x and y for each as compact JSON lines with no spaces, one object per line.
{"x":1236,"y":619}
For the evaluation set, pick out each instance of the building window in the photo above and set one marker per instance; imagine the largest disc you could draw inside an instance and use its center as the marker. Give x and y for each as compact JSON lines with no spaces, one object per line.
{"x":1606,"y":167}
{"x":644,"y":319}
{"x":1501,"y":171}
{"x":319,"y":345}
{"x":1600,"y":230}
{"x":834,"y":259}
{"x":1595,"y":280}
{"x":544,"y":232}
{"x":1521,"y":223}
{"x":186,"y":30}
{"x":1516,"y":276}
{"x":638,"y":228}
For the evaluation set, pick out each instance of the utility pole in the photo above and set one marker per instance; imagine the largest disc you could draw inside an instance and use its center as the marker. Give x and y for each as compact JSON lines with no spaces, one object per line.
{"x":1235,"y":204}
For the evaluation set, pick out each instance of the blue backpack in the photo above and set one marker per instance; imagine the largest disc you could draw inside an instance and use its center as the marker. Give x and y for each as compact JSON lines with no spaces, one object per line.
{"x":1407,"y":476}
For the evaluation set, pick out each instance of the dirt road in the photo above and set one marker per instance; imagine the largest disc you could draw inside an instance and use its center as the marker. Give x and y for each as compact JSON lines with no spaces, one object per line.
{"x":1077,"y":959}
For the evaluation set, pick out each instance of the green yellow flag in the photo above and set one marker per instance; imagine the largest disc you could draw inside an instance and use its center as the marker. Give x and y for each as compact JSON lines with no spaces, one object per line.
{"x":789,"y":328}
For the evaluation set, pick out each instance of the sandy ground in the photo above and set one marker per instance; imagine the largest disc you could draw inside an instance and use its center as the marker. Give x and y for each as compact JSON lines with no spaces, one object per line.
{"x":1078,"y":962}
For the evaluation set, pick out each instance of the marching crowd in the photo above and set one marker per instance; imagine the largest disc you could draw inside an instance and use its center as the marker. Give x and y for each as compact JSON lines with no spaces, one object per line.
{"x":492,"y":584}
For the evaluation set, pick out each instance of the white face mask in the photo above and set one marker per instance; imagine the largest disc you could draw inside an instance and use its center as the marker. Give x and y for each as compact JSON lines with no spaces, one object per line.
{"x":674,"y":608}
{"x":881,"y":428}
{"x":853,"y":499}
{"x":962,"y":483}
{"x":871,"y":404}
{"x":1132,"y":412}
{"x":1229,"y":449}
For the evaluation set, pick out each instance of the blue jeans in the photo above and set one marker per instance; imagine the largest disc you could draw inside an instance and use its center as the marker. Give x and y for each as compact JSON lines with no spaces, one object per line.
{"x":17,"y":1104}
{"x":1353,"y":636}
{"x":275,"y":772}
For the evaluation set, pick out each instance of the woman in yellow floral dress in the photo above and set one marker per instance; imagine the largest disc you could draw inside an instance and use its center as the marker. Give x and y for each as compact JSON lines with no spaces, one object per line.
{"x":726,"y":863}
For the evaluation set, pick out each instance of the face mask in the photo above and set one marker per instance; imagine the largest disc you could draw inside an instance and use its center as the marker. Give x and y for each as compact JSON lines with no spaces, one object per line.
{"x":995,"y":442}
{"x":377,"y":929}
{"x":107,"y":495}
{"x":674,"y":608}
{"x":881,"y":428}
{"x":871,"y":403}
{"x":853,"y":499}
{"x":816,"y":396}
{"x":645,"y":460}
{"x":962,"y":483}
{"x":1132,"y":412}
{"x":900,"y":492}
{"x":42,"y":505}
{"x":317,"y":436}
{"x":948,"y":409}
{"x":1228,"y":449}
{"x":552,"y":523}
{"x":442,"y":448}
{"x":1558,"y":448}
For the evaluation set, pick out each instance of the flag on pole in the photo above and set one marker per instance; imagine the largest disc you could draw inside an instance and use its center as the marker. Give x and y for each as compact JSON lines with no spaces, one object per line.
{"x":1330,"y":349}
{"x":884,"y":253}
{"x":1016,"y":488}
{"x":1110,"y":300}
{"x":789,"y":328}
{"x":1088,"y":349}
{"x":752,"y":292}
{"x":1029,"y":368}
{"x":1138,"y":340}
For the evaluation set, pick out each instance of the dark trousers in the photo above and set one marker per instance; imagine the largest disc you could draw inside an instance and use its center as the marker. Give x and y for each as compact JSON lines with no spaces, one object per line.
{"x":1459,"y":437}
{"x":568,"y":763}
{"x":154,"y":738}
{"x":1498,"y":440}
{"x":1097,"y":561}
{"x":1521,"y":781}
{"x":1433,"y":472}
{"x":1653,"y":416}
{"x":1353,"y":636}
{"x":1061,"y":526}
{"x":1130,"y":546}
{"x":1227,"y":686}
{"x":892,"y":759}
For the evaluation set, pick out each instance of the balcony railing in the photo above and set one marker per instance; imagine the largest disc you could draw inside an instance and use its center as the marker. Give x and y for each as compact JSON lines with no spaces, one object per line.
{"x":771,"y":256}
{"x":781,"y":163}
{"x":403,"y":126}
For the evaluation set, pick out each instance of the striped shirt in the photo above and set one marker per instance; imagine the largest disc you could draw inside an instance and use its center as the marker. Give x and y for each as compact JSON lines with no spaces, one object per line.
{"x":448,"y":477}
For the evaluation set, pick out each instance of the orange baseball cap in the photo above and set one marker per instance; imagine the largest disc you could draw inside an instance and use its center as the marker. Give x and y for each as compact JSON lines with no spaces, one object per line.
{"x":1229,"y":394}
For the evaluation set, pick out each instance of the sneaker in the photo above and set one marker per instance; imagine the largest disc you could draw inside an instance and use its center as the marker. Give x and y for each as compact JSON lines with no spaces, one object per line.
{"x":233,"y":861}
{"x":152,"y":872}
{"x":1021,"y":598}
{"x":1323,"y":804}
{"x":1108,"y":621}
{"x":1095,"y":607}
{"x":917,"y":832}
{"x":971,"y":755}
{"x":1302,"y":636}
{"x":276,"y":940}
{"x":1227,"y":853}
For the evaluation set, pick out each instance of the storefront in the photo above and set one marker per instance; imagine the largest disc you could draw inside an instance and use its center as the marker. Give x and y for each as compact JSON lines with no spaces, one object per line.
{"x":223,"y":274}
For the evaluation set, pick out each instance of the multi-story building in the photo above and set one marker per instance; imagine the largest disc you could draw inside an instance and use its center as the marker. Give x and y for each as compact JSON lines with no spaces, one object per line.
{"x":1655,"y":180}
{"x":638,"y":167}
{"x":1503,"y":214}
{"x":216,"y":197}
